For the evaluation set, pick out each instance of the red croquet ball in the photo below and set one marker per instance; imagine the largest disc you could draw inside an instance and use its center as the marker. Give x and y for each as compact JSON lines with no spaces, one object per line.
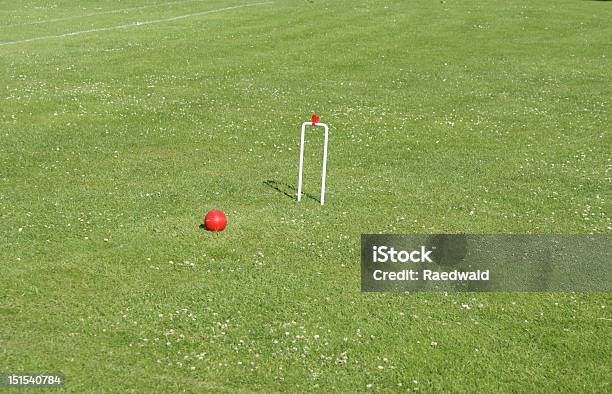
{"x":215,"y":220}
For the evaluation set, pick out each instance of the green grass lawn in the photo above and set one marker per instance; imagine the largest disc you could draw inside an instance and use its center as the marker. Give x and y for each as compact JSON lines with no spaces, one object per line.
{"x":446,"y":117}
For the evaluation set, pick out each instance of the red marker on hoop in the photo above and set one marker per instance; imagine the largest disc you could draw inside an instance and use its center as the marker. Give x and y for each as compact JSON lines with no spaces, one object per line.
{"x":315,"y":119}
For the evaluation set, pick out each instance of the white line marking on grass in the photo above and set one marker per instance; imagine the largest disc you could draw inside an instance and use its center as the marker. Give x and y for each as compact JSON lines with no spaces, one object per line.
{"x":133,"y":24}
{"x":101,"y":13}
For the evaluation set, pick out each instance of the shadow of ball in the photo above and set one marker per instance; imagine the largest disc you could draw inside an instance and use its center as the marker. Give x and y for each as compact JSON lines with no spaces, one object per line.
{"x":448,"y":249}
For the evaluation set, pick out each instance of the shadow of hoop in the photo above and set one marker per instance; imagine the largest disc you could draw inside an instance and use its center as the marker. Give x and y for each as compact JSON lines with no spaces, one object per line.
{"x":288,"y":190}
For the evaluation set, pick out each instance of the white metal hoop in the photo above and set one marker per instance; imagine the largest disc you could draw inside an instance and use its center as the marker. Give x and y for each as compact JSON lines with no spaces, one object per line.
{"x":301,"y":165}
